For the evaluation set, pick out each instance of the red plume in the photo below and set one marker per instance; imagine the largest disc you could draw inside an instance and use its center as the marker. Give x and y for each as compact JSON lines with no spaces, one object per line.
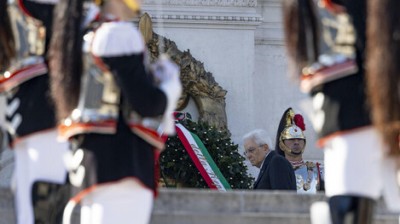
{"x":299,"y":122}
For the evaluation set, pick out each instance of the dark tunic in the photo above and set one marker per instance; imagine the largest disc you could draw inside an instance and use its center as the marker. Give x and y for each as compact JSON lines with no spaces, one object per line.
{"x":124,"y":154}
{"x":34,"y":109}
{"x":344,"y":105}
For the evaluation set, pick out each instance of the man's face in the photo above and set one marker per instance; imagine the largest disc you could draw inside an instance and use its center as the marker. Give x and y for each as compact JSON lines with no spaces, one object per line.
{"x":255,"y":153}
{"x":295,"y":144}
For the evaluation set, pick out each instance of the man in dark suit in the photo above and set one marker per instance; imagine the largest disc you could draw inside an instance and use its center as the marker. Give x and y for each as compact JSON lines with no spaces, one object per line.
{"x":276,"y":173}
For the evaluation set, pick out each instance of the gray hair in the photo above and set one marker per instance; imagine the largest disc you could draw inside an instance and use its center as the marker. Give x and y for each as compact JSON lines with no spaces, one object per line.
{"x":259,"y":136}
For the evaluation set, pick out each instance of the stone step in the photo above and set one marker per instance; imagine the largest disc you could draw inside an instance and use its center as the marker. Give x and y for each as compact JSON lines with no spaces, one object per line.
{"x":241,"y":218}
{"x":7,"y":215}
{"x":237,"y":207}
{"x":188,"y":206}
{"x":247,"y":218}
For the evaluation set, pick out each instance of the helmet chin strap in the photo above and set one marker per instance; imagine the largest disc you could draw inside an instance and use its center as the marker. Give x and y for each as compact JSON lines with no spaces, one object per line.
{"x":286,"y":149}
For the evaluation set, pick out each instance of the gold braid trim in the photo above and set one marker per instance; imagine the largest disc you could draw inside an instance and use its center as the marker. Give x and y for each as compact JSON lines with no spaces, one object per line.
{"x":310,"y":165}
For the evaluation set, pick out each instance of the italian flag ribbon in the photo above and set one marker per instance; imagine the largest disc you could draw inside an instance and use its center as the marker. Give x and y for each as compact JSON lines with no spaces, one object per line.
{"x":202,"y":159}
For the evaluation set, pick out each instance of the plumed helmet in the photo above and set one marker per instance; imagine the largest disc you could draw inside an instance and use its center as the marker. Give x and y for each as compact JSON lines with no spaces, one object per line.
{"x":291,"y":126}
{"x":292,"y":132}
{"x":294,"y":126}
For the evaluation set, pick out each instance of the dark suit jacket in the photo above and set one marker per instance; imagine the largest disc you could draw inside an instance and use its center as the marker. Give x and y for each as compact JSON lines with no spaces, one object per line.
{"x":276,"y":174}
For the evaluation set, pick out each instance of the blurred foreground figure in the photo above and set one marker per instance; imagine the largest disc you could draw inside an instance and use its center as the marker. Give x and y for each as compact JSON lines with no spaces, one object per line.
{"x":383,"y":79}
{"x":39,"y":175}
{"x":326,"y":42}
{"x":110,"y":104}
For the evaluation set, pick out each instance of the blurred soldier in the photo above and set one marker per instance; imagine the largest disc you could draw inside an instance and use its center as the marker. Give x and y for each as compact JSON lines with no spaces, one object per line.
{"x":109,"y":108}
{"x":326,"y":43}
{"x":25,"y":31}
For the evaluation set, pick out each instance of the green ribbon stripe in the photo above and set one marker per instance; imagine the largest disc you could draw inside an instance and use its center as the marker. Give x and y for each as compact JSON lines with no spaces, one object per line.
{"x":213,"y":166}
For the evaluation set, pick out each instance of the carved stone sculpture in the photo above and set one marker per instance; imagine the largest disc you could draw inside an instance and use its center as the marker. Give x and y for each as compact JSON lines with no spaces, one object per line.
{"x":197,"y":83}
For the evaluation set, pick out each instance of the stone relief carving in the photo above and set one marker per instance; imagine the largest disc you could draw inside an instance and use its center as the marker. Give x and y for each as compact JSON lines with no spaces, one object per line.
{"x":209,"y":18}
{"x":197,"y":82}
{"x":237,"y":3}
{"x":229,"y":12}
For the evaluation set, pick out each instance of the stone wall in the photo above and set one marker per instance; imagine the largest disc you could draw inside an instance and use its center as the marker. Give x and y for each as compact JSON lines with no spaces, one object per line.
{"x":241,"y":44}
